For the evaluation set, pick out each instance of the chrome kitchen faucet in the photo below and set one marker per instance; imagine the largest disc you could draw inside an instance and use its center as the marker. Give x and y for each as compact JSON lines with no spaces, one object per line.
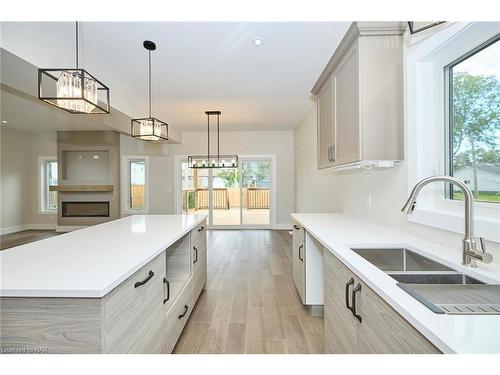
{"x":469,"y":244}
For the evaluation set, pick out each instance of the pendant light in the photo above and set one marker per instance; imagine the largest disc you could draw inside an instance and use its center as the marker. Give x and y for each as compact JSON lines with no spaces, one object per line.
{"x":150,"y":128}
{"x":213,"y":160}
{"x":73,"y":90}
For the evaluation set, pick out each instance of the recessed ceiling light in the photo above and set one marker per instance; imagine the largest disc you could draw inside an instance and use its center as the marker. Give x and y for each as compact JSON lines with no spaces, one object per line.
{"x":258,"y":42}
{"x":4,"y":121}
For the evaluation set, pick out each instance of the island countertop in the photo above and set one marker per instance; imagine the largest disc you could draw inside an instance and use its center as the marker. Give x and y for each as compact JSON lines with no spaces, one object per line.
{"x":338,"y":233}
{"x":90,"y":262}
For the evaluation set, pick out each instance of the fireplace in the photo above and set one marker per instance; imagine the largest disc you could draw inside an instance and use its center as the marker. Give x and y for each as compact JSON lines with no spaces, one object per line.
{"x":85,"y":209}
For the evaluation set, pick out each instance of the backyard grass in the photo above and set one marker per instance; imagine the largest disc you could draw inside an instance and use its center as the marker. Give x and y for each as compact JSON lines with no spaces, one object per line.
{"x":483,"y":197}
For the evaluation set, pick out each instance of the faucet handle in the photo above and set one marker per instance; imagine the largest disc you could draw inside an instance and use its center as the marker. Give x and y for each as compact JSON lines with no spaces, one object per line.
{"x":483,"y":244}
{"x":485,"y":257}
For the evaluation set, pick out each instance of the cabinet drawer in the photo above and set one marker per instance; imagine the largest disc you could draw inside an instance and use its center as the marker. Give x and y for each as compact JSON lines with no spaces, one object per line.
{"x":199,"y":231}
{"x":177,"y":317}
{"x":131,"y":307}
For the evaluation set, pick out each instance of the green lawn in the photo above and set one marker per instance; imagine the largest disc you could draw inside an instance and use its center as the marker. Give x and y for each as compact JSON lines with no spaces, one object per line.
{"x":483,"y":197}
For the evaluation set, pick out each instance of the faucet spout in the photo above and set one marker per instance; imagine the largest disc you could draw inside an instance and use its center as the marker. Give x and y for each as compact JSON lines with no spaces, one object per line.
{"x":470,"y":251}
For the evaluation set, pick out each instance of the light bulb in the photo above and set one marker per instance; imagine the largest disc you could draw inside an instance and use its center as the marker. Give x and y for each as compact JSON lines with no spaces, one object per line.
{"x":69,"y":85}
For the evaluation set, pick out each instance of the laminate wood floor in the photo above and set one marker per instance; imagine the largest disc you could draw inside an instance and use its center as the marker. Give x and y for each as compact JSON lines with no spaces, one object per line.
{"x":250,"y":304}
{"x":24,"y":237}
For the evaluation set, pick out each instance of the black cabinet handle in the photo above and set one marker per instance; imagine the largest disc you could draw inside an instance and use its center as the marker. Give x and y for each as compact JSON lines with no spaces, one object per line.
{"x":301,"y":247}
{"x":139,"y":283}
{"x":296,"y":227}
{"x":200,"y":229}
{"x":195,"y":255}
{"x":353,"y":297}
{"x":347,"y":286}
{"x":165,"y":281}
{"x":185,"y":312}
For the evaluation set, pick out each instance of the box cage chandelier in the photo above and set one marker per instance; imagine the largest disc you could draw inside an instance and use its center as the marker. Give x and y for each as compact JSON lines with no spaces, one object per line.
{"x":213,"y":160}
{"x":74,"y":89}
{"x":149,"y":128}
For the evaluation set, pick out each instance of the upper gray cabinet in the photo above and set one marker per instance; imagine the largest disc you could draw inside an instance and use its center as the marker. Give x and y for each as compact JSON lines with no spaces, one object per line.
{"x":359,"y":98}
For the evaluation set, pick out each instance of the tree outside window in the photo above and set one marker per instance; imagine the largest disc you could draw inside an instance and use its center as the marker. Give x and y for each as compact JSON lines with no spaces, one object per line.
{"x":475,"y":123}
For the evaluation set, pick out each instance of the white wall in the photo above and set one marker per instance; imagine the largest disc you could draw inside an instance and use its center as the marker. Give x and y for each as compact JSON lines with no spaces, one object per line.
{"x":348,"y":193}
{"x":19,"y":177}
{"x":162,"y":163}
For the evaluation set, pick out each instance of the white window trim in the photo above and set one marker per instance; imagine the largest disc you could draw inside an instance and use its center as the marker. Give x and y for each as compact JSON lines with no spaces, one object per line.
{"x":425,"y":125}
{"x":42,"y":185}
{"x":125,"y":185}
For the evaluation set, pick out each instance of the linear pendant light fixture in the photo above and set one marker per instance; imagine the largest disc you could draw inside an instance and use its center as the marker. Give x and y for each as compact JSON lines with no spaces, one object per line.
{"x":150,"y":128}
{"x":217,"y":160}
{"x":73,"y":90}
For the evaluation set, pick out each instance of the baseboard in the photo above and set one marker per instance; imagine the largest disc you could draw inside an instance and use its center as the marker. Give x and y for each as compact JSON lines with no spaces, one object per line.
{"x":69,"y":228}
{"x":23,"y":227}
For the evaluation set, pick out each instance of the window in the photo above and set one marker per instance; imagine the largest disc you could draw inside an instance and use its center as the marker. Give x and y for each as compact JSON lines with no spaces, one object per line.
{"x":432,"y":120}
{"x":48,"y":177}
{"x":474,"y":122}
{"x":135,"y":185}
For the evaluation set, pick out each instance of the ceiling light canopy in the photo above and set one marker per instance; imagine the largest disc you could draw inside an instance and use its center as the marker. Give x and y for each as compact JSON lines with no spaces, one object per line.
{"x":213,"y":160}
{"x":149,"y":128}
{"x":73,"y":90}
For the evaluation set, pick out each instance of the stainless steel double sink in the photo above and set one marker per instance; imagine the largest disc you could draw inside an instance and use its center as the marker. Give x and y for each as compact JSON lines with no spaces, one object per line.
{"x":440,"y":288}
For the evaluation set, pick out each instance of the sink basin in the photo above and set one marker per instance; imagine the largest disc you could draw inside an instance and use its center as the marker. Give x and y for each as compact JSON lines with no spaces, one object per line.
{"x":399,"y":259}
{"x":440,"y":288}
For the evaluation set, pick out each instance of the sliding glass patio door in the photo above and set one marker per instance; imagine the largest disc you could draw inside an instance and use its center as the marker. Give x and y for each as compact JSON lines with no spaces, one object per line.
{"x":255,"y":190}
{"x":231,"y":197}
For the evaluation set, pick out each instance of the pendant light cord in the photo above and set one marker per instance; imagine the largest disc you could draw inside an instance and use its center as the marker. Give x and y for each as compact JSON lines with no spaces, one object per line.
{"x":76,"y":37}
{"x":149,"y":83}
{"x":218,"y":138}
{"x":208,"y":131}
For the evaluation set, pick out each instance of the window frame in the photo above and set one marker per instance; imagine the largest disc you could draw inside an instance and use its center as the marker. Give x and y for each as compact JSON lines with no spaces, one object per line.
{"x":426,"y":125}
{"x":43,"y":189}
{"x":449,"y":118}
{"x":125,"y":185}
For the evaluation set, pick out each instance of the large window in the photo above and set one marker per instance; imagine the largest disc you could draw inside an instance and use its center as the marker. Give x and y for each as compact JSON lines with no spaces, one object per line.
{"x":474,"y":122}
{"x":135,"y":184}
{"x":48,"y":177}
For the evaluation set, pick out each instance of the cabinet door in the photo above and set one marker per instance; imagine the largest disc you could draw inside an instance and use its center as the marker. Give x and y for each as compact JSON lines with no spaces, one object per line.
{"x":326,"y":135}
{"x":298,"y":265}
{"x":382,"y":330}
{"x":340,"y":325}
{"x":199,"y":266}
{"x":346,"y":109}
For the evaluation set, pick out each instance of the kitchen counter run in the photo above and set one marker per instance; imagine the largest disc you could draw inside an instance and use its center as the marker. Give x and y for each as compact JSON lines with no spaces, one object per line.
{"x":339,"y":233}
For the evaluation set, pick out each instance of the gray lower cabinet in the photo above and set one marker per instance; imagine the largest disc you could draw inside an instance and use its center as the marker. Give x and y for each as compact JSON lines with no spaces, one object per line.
{"x":146,"y":313}
{"x":366,"y":324}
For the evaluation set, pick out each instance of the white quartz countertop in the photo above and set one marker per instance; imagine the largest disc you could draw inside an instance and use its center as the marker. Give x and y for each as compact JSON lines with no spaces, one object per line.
{"x":450,"y":333}
{"x":89,"y":262}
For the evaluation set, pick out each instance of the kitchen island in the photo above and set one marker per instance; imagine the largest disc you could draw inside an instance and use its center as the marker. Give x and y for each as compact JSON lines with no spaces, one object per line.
{"x":125,"y":286}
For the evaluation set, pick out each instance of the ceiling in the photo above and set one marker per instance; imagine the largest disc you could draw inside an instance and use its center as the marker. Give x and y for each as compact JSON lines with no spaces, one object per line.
{"x":196,"y":67}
